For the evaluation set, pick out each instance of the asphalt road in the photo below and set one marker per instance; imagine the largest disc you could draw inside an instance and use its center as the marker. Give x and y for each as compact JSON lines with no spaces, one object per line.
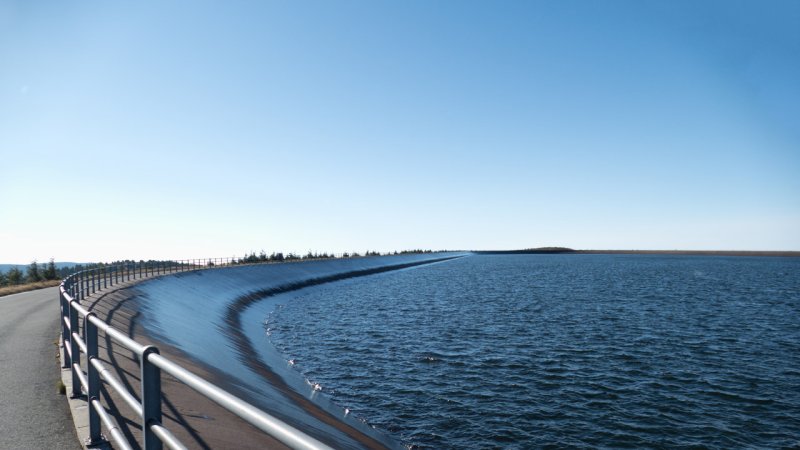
{"x":32,"y":414}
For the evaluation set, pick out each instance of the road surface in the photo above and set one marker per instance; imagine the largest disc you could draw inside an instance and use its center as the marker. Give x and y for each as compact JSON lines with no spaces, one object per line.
{"x":32,"y":414}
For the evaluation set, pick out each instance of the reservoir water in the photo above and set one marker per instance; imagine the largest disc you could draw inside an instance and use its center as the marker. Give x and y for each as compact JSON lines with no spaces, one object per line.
{"x":583,"y":351}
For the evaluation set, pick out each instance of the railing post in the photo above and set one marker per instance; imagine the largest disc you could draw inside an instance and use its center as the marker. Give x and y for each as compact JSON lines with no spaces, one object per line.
{"x":93,"y":390}
{"x":66,"y":362}
{"x":105,"y":278}
{"x":151,"y":399}
{"x":75,"y":351}
{"x":94,"y":281}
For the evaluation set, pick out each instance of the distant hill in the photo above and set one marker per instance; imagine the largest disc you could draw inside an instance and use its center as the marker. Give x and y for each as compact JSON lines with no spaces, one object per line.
{"x":22,"y":267}
{"x":528,"y":251}
{"x":559,"y":250}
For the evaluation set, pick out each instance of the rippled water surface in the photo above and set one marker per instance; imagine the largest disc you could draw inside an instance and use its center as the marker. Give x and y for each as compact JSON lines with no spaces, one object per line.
{"x":565,"y":350}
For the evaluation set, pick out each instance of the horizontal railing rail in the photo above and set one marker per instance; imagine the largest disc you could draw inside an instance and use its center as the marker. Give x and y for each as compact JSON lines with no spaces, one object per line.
{"x":80,"y":328}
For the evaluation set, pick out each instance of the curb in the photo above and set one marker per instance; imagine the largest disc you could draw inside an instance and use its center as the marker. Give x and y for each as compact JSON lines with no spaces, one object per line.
{"x":78,"y":407}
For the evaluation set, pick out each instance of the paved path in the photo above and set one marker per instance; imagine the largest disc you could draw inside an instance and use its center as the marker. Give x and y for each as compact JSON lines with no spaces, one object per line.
{"x":32,"y":414}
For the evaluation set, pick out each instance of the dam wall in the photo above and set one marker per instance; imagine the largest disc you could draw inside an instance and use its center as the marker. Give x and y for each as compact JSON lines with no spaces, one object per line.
{"x":215,"y":318}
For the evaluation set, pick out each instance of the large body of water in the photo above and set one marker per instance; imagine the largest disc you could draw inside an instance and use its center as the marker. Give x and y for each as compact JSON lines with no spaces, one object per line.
{"x":559,"y":350}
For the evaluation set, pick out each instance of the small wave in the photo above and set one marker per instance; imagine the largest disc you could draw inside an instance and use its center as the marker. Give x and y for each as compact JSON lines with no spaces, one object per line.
{"x":733,"y":397}
{"x":621,"y":367}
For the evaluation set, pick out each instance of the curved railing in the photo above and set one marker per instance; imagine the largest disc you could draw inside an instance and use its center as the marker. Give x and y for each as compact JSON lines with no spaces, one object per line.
{"x":80,"y":328}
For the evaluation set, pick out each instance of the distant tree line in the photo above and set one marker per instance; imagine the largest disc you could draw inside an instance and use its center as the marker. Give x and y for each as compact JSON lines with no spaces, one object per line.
{"x":253,"y":258}
{"x":33,"y":272}
{"x":36,"y":272}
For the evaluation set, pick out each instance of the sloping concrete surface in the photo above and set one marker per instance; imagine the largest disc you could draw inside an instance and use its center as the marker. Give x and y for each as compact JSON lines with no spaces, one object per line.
{"x":195,"y":420}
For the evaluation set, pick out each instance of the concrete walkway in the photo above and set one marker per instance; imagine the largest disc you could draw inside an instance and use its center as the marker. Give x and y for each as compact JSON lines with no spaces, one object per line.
{"x":32,"y":414}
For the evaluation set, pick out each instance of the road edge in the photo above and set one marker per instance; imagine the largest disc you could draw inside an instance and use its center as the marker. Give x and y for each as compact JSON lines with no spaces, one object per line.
{"x":78,"y":406}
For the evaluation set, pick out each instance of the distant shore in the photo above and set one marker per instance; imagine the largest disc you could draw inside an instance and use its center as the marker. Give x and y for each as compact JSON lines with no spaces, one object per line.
{"x":564,"y":250}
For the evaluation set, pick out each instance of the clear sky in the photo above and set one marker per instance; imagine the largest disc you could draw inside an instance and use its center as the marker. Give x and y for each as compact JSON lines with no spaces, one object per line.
{"x":164,"y":129}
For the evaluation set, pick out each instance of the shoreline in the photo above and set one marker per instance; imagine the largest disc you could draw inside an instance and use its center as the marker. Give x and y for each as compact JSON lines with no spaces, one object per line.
{"x":250,"y":356}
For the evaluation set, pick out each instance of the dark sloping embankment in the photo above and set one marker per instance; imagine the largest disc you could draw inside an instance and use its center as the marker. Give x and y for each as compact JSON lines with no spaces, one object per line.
{"x":200,"y":313}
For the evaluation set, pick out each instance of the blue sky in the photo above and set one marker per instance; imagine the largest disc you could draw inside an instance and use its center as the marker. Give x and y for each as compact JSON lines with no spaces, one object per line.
{"x":192,"y":129}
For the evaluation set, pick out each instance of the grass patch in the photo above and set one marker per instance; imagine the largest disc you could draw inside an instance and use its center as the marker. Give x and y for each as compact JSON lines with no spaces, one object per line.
{"x":61,"y":388}
{"x":8,"y":290}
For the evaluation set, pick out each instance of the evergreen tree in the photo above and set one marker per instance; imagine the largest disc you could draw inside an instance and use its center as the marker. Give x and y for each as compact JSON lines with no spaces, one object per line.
{"x":50,"y":273}
{"x":3,"y":279}
{"x":14,"y":276}
{"x":33,"y":272}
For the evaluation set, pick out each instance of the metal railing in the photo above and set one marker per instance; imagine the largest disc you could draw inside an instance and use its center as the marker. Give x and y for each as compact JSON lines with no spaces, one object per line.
{"x":80,"y":329}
